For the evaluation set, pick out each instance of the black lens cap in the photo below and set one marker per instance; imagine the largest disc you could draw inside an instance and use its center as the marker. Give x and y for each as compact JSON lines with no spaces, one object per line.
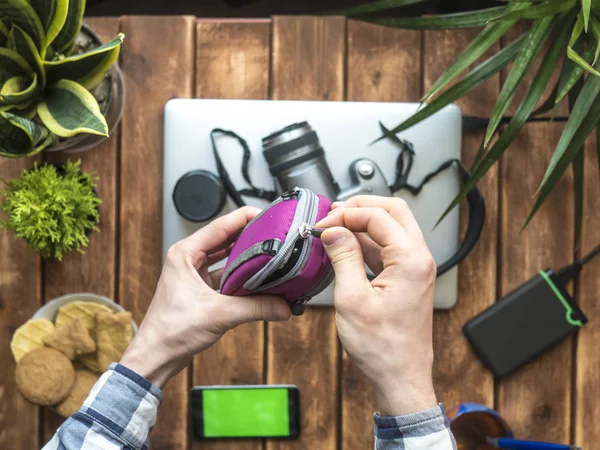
{"x":199,"y":196}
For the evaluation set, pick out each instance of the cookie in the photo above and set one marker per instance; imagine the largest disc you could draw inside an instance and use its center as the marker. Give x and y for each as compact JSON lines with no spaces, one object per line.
{"x":72,"y":339}
{"x":45,"y":376}
{"x":90,"y":361}
{"x":82,"y":310}
{"x":84,"y":381}
{"x":113,"y":334}
{"x":30,"y":336}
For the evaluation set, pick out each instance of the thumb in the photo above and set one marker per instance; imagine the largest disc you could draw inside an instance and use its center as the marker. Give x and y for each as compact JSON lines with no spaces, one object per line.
{"x":346,"y":257}
{"x":258,"y":307}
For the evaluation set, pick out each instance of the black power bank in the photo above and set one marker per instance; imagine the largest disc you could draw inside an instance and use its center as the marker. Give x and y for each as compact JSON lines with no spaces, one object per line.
{"x":528,"y":321}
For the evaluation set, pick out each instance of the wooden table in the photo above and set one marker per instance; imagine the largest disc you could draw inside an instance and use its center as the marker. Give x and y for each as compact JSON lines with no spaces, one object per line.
{"x":310,"y":58}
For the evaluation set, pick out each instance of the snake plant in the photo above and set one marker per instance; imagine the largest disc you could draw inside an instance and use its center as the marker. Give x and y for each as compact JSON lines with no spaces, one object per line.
{"x":569,"y":27}
{"x":44,"y":84}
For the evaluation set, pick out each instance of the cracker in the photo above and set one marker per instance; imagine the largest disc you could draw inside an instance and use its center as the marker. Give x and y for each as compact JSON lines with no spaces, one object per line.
{"x":84,"y":381}
{"x":30,"y":336}
{"x":113,"y":333}
{"x":72,"y":339}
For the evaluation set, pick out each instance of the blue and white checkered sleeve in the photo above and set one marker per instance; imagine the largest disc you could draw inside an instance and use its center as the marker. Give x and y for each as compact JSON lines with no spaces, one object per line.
{"x":425,"y":430}
{"x":119,"y":413}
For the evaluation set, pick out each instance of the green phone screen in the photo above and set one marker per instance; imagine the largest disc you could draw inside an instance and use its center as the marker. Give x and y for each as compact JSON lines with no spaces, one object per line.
{"x":245,"y":412}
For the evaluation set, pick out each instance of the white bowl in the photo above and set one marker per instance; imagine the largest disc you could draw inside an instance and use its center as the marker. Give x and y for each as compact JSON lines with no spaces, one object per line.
{"x":50,"y":309}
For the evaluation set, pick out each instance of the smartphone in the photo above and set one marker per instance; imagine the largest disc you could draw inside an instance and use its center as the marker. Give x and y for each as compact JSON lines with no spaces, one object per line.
{"x":258,"y":411}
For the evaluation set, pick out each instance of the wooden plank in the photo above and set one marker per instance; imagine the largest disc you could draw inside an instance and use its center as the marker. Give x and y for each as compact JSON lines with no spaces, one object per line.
{"x":458,"y":374}
{"x":232,"y":61}
{"x":20,"y":297}
{"x":158,"y":63}
{"x":536,"y":400}
{"x":588,"y":357}
{"x":384,"y":64}
{"x":95,"y":271}
{"x":308,"y":63}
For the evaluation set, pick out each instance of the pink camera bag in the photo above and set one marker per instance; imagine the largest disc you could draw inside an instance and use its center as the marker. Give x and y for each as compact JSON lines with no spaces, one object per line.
{"x":273,"y":256}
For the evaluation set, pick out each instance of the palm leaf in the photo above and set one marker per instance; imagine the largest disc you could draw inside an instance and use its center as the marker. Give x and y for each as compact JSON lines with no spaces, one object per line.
{"x":87,"y":69}
{"x":20,"y":12}
{"x":19,"y":89}
{"x":591,"y":121}
{"x":519,"y":119}
{"x":69,"y":109}
{"x":65,"y":40}
{"x":586,"y":9}
{"x":535,"y":40}
{"x":53,"y":15}
{"x":538,"y":11}
{"x":572,"y":54}
{"x":575,"y":74}
{"x":484,"y":40}
{"x":473,"y":79}
{"x":477,"y":18}
{"x":19,"y":136}
{"x":585,"y":100}
{"x":20,"y":42}
{"x":381,"y":5}
{"x":596,"y":32}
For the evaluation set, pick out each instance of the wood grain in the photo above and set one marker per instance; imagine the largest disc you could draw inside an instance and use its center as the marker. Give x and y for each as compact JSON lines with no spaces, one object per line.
{"x":308,"y":64}
{"x":458,"y":375}
{"x":536,"y":400}
{"x":232,"y":61}
{"x":95,"y":271}
{"x":384,"y":65}
{"x":158,"y":63}
{"x":588,"y":357}
{"x":20,"y":297}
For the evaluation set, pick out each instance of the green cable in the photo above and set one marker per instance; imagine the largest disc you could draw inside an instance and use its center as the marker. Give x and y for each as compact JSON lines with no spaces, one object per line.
{"x":563,"y":300}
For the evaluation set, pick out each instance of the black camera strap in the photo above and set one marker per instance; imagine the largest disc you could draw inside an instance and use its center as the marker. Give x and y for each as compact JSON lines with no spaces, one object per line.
{"x":229,"y":187}
{"x":475,"y":200}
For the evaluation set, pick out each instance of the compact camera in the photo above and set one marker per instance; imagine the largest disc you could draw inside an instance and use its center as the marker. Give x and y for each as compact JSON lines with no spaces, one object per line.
{"x":297,"y":159}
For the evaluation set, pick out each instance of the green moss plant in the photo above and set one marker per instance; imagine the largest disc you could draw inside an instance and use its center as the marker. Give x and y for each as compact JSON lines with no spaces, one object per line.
{"x":52,"y":209}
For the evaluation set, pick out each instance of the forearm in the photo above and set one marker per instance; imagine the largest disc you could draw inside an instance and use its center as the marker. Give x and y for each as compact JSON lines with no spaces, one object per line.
{"x":426,"y":430}
{"x":120,"y":412}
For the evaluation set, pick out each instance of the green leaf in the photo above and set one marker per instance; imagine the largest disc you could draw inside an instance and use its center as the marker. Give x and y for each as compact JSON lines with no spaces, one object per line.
{"x":540,"y":10}
{"x":87,"y":69}
{"x":12,"y":64}
{"x":469,"y":19}
{"x":473,"y":79}
{"x":381,"y":5}
{"x":20,"y":137}
{"x":586,"y":8}
{"x":585,"y":100}
{"x":582,"y":62}
{"x":488,"y":37}
{"x":19,"y":89}
{"x":519,"y":119}
{"x":65,"y":41}
{"x":574,"y":76}
{"x":531,"y":48}
{"x":591,"y":121}
{"x":20,"y":42}
{"x":52,"y":14}
{"x":596,"y":32}
{"x":69,"y":109}
{"x":20,"y":12}
{"x":3,"y":33}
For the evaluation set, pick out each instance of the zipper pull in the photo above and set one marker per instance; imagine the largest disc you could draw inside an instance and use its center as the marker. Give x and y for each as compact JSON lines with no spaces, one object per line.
{"x":295,"y":193}
{"x":306,"y":230}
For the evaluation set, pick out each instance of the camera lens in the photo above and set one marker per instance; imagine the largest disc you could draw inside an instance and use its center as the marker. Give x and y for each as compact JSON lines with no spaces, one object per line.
{"x":291,"y":146}
{"x":199,"y":196}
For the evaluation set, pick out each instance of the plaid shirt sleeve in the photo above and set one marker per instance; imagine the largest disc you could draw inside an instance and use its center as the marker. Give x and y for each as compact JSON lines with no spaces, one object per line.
{"x":425,"y":430}
{"x":119,"y":413}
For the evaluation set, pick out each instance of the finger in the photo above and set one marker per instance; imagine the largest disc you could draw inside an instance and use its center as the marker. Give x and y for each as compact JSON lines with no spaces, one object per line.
{"x":382,"y":228}
{"x":396,"y":207}
{"x":215,"y":277}
{"x":257,"y":307}
{"x":219,"y":256}
{"x":347,"y":259}
{"x":371,"y":252}
{"x":217,"y":233}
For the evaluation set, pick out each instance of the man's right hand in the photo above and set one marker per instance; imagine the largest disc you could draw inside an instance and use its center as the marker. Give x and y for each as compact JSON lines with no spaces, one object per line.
{"x":385,"y":324}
